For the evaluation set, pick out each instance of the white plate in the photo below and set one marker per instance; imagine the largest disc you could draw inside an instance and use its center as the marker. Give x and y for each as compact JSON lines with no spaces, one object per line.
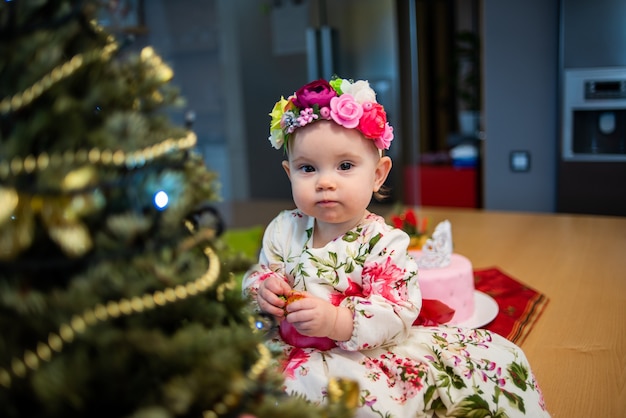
{"x":485,"y":310}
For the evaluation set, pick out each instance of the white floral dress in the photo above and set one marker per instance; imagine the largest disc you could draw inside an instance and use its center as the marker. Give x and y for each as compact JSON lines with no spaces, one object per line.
{"x":402,"y":370}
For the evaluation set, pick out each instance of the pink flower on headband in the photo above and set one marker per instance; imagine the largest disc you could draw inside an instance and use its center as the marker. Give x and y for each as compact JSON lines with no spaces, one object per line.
{"x":345,"y":111}
{"x":385,"y":141}
{"x":306,"y":116}
{"x":317,"y":92}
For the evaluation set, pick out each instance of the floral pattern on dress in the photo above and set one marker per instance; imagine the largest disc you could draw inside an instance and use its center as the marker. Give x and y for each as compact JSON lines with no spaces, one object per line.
{"x":386,"y":280}
{"x":402,"y":370}
{"x":296,"y":362}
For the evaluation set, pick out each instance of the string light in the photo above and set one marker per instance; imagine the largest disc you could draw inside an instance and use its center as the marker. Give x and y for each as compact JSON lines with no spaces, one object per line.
{"x":161,"y":200}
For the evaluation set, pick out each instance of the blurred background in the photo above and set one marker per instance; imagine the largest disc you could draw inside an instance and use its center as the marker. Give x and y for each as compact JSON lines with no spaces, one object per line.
{"x":516,"y":106}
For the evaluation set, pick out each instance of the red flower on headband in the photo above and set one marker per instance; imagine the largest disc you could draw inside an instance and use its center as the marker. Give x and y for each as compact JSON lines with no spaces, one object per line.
{"x":318,"y":92}
{"x":372,"y":123}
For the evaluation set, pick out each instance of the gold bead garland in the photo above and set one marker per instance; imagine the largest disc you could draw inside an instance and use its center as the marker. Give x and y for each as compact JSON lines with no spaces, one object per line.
{"x":31,"y":360}
{"x":71,"y":235}
{"x":230,"y":399}
{"x":20,"y":100}
{"x":95,"y":156}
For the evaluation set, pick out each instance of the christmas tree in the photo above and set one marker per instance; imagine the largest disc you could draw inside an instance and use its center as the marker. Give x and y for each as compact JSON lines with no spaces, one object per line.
{"x":116,"y":296}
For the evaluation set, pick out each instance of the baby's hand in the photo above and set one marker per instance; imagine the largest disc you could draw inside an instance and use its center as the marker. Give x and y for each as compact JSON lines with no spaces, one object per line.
{"x":311,"y":316}
{"x":290,"y":298}
{"x":271,"y":296}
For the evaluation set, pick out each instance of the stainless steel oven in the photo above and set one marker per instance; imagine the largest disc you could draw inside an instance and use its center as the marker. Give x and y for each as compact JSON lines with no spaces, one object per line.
{"x":594,"y":114}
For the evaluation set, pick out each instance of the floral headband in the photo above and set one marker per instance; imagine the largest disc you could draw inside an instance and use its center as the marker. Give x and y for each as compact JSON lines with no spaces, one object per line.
{"x":351,"y":104}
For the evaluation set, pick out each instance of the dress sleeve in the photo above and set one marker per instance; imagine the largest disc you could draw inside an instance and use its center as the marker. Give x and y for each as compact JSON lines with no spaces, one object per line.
{"x":390,"y":300}
{"x":271,"y":260}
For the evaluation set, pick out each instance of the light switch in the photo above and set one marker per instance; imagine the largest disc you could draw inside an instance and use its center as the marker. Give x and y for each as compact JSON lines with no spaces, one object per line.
{"x":519,"y":161}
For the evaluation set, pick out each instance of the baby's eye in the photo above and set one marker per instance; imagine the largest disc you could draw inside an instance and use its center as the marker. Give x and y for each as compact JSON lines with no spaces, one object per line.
{"x":307,"y":168}
{"x":345,"y":166}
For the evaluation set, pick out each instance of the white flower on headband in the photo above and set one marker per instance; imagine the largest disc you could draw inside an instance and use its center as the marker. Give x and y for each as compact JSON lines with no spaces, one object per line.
{"x":360,"y":90}
{"x":351,"y":104}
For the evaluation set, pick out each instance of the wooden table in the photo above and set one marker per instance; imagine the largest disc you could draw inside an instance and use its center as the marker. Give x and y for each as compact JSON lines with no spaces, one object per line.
{"x":577,"y":348}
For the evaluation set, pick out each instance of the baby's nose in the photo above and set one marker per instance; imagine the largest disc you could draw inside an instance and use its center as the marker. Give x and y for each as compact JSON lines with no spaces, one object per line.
{"x":325,"y":182}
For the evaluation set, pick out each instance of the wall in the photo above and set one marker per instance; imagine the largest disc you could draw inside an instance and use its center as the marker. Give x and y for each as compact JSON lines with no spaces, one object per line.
{"x":521,"y":61}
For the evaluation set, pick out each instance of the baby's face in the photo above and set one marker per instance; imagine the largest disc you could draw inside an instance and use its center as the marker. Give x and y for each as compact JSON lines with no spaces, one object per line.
{"x":333,"y":172}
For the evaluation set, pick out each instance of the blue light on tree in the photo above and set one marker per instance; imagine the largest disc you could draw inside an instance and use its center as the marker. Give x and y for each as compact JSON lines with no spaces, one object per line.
{"x":161,"y":199}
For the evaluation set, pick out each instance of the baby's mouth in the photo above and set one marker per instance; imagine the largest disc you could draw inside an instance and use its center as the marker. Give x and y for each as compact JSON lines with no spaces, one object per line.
{"x":327,"y":202}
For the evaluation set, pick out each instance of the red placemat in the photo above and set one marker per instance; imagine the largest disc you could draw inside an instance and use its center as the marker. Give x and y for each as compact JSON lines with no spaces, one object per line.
{"x":519,"y":305}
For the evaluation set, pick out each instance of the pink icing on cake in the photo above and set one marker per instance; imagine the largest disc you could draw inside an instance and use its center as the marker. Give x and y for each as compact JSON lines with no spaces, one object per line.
{"x":452,"y":285}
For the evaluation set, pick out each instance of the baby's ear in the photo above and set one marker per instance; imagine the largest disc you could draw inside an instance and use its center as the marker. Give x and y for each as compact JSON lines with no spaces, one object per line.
{"x":286,"y":167}
{"x":382,"y":171}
